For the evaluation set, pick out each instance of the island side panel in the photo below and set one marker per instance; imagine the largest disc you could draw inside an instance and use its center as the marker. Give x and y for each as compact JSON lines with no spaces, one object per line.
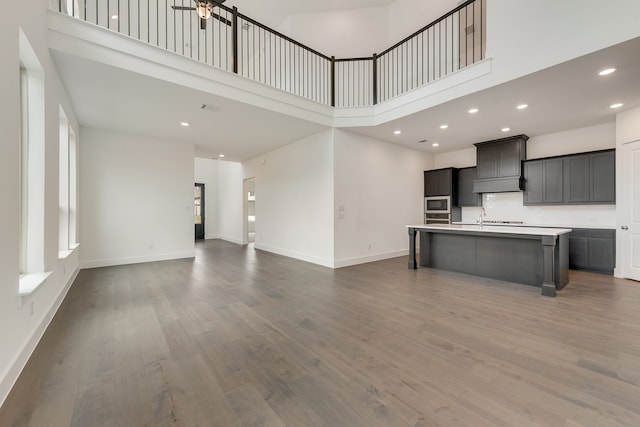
{"x":561,"y":267}
{"x":510,"y":259}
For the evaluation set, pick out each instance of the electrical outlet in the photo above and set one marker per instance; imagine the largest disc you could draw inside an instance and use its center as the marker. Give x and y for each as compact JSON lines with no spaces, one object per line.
{"x":369,"y":246}
{"x":151,"y":246}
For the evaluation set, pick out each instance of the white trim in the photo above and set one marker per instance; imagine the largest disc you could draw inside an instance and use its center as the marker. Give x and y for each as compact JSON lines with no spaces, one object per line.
{"x":137,"y":260}
{"x":346,"y":262}
{"x":30,"y":282}
{"x":233,"y":240}
{"x":10,"y":377}
{"x":297,"y":255}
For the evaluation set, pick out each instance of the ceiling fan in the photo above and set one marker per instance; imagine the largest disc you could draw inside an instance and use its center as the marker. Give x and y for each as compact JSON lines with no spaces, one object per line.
{"x":204,"y":8}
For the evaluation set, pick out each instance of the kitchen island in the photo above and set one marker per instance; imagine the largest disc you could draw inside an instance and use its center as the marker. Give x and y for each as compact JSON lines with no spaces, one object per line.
{"x":528,"y":255}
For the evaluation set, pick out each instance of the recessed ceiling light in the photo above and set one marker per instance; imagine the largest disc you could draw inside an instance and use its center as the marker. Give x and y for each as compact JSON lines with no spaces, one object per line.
{"x":221,"y":155}
{"x":522,"y":106}
{"x":435,"y":144}
{"x":506,"y":129}
{"x":397,"y":132}
{"x":114,"y":17}
{"x":606,"y":71}
{"x":618,"y":105}
{"x":444,"y":126}
{"x":473,"y":110}
{"x":185,"y":124}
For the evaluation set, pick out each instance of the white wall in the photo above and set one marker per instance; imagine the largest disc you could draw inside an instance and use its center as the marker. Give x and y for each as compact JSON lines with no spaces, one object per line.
{"x":378,"y":190}
{"x":592,"y":138}
{"x":294,"y":199}
{"x":136,"y":198}
{"x":341,"y":33}
{"x":230,"y":202}
{"x":525,"y":36}
{"x":408,"y":16}
{"x":24,"y":319}
{"x":206,"y":172}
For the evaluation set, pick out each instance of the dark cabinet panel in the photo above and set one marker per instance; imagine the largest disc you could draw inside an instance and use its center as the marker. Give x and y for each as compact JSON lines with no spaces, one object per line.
{"x":509,"y":160}
{"x":552,"y":191}
{"x":587,"y":178}
{"x":576,"y":179}
{"x":466,"y":196}
{"x":578,"y":253}
{"x":440,"y":182}
{"x":602,"y":177}
{"x":592,"y":250}
{"x":499,"y":164}
{"x":543,"y":182}
{"x":533,"y":182}
{"x":487,"y":160}
{"x":601,"y":254}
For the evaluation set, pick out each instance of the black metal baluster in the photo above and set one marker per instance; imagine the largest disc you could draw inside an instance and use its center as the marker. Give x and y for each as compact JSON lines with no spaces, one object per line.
{"x":235,"y":39}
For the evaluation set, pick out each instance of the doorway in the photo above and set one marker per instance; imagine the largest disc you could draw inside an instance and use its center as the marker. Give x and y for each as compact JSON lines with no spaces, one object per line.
{"x":250,"y":210}
{"x":630,"y":229}
{"x":198,"y":210}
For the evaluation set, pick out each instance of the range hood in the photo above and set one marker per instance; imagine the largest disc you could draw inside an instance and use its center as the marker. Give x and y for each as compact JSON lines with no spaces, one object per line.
{"x":499,"y":165}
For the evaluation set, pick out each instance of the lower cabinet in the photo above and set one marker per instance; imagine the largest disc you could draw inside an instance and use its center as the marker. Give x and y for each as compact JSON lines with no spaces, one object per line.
{"x":592,"y":250}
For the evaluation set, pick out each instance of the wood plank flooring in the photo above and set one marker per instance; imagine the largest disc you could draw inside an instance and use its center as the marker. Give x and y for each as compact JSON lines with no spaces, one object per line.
{"x":239,"y":337}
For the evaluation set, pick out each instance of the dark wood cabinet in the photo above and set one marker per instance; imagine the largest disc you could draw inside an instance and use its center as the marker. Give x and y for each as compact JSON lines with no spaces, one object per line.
{"x":466,"y":196}
{"x":440,"y":182}
{"x":499,"y":164}
{"x":543,"y":182}
{"x":587,"y":178}
{"x":602,"y":177}
{"x":487,"y":160}
{"x":576,"y":179}
{"x":592,"y":250}
{"x":533,"y":178}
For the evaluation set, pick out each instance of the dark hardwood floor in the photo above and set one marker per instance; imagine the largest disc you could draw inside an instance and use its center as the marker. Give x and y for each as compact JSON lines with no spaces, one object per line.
{"x":239,"y":337}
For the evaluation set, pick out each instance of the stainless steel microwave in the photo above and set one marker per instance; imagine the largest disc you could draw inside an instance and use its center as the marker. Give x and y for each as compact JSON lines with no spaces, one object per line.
{"x":437,"y":204}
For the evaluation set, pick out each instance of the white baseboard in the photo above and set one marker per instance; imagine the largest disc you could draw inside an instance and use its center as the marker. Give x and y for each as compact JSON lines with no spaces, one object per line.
{"x":345,"y":262}
{"x":297,"y":255}
{"x":233,"y":240}
{"x":22,"y":358}
{"x":137,"y":260}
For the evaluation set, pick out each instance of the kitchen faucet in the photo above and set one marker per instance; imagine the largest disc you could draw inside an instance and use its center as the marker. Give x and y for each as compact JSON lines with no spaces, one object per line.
{"x":483,"y":213}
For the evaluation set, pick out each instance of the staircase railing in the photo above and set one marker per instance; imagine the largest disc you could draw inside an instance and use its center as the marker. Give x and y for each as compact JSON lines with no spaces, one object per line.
{"x":237,"y":43}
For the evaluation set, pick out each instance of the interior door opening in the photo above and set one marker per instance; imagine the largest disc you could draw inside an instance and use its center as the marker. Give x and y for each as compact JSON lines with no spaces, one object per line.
{"x":198,"y":210}
{"x":250,"y":210}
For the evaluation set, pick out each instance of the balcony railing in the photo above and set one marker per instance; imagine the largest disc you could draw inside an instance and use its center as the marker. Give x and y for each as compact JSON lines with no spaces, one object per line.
{"x":237,"y":43}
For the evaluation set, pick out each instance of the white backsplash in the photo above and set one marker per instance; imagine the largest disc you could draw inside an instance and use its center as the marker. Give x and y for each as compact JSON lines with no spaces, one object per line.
{"x":509,"y":207}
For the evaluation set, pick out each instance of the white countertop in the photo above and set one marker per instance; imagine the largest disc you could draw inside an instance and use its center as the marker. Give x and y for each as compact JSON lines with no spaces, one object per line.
{"x":498,"y":229}
{"x":589,"y":226}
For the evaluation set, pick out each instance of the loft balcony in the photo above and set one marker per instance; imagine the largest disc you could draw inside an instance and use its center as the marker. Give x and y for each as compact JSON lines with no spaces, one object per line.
{"x":231,"y":41}
{"x":269,"y":90}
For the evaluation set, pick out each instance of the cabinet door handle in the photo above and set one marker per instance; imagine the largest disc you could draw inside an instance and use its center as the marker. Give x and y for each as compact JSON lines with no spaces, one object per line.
{"x":624,"y":227}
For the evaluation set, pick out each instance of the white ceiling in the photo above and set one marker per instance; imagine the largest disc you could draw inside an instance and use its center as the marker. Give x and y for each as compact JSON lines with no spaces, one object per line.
{"x":273,"y":12}
{"x":567,"y":96}
{"x":112,"y":98}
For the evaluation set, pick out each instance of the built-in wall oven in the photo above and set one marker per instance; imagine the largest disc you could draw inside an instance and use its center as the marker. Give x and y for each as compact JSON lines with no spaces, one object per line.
{"x":437,"y":210}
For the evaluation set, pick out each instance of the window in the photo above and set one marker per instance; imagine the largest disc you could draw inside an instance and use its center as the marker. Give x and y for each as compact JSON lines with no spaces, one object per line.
{"x":66,"y":187}
{"x":31,"y":169}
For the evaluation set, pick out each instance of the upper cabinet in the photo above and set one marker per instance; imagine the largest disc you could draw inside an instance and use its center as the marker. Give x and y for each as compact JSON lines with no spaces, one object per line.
{"x":466,"y":196}
{"x":587,"y":178}
{"x":441,"y":182}
{"x":602,"y":177}
{"x":499,"y":164}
